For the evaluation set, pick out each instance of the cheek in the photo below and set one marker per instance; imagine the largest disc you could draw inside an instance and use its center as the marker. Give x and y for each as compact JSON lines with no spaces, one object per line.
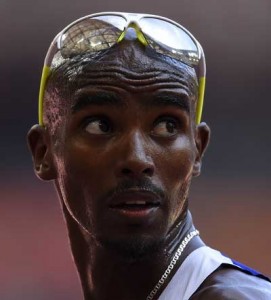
{"x":80,"y":178}
{"x":176,"y":171}
{"x":176,"y":162}
{"x":86,"y":174}
{"x":73,"y":193}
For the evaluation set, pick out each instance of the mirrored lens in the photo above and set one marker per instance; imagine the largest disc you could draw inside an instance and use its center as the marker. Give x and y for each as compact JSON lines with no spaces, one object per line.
{"x":170,"y":39}
{"x":91,"y":35}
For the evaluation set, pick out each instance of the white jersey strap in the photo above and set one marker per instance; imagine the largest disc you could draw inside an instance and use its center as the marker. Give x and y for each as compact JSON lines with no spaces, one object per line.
{"x":193,"y":271}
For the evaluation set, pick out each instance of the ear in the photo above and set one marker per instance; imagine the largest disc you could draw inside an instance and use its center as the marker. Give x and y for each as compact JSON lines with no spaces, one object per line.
{"x":202,"y":137}
{"x":39,"y":144}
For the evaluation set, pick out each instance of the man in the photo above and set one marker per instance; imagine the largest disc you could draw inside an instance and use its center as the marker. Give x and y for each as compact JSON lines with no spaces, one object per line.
{"x":120,"y":134}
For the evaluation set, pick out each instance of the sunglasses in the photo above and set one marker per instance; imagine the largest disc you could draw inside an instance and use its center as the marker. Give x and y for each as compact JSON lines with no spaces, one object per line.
{"x":101,"y":31}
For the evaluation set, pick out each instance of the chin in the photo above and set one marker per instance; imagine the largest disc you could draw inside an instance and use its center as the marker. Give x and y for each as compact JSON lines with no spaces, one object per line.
{"x":132,"y":248}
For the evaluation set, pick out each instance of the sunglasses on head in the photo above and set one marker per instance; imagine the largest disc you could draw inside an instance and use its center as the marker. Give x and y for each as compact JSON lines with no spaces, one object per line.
{"x":101,"y":31}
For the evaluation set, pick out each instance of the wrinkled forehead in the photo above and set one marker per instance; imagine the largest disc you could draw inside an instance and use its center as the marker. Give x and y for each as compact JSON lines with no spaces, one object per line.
{"x":124,"y":62}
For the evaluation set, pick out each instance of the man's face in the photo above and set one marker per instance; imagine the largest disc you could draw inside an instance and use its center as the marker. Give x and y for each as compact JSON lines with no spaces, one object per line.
{"x":127,"y":150}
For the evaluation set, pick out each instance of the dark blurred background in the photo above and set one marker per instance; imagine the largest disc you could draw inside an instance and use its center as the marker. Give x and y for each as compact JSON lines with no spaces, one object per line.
{"x":230,"y":201}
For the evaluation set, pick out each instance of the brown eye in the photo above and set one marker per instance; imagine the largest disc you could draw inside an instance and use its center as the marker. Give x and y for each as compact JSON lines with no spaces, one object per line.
{"x":97,"y":126}
{"x":165,"y":127}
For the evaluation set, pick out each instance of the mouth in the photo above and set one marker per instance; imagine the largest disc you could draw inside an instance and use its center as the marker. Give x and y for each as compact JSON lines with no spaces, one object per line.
{"x":135,"y":203}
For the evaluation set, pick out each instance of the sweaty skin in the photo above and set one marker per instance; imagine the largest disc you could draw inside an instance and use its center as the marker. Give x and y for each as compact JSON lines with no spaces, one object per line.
{"x":122,"y":129}
{"x":127,"y":132}
{"x":119,"y":129}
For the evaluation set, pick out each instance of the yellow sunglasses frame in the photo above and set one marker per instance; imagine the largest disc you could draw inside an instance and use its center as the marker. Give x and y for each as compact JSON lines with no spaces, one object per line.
{"x":132,"y":24}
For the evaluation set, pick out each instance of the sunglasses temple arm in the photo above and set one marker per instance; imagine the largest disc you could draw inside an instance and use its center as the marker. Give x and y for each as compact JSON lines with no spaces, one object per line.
{"x":45,"y":74}
{"x":202,"y":83}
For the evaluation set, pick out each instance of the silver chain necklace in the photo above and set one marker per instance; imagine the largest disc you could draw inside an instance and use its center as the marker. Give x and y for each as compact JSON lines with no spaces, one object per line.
{"x":173,"y":262}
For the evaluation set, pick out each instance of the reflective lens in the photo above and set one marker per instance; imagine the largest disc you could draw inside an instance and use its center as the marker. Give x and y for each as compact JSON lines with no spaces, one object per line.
{"x":92,"y":34}
{"x":101,"y":31}
{"x":170,"y":39}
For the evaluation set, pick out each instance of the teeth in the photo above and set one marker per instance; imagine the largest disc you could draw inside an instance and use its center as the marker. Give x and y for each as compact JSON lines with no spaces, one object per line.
{"x":137,"y":202}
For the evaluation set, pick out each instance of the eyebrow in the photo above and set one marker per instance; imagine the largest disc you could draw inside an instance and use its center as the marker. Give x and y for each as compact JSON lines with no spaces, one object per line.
{"x":98,"y":98}
{"x":180,"y":101}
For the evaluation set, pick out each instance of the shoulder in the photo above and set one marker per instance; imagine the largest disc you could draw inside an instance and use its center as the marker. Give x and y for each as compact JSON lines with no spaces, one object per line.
{"x":227,"y":283}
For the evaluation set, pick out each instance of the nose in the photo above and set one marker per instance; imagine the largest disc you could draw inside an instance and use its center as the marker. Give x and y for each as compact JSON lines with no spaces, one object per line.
{"x":133,"y":160}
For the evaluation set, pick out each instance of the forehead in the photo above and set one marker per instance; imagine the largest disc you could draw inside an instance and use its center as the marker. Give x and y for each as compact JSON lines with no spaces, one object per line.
{"x":130,"y":67}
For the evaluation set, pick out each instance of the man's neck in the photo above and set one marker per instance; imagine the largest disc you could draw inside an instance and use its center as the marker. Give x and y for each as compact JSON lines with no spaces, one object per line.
{"x":105,"y":275}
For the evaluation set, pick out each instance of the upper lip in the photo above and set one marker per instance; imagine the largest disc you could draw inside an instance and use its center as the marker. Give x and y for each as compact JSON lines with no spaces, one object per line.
{"x":134,"y":196}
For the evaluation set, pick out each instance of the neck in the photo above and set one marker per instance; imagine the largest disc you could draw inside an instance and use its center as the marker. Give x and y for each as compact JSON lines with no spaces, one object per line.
{"x":104,"y":273}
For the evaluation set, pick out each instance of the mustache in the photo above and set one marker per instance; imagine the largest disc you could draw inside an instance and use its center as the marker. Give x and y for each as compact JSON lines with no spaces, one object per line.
{"x":144,"y":184}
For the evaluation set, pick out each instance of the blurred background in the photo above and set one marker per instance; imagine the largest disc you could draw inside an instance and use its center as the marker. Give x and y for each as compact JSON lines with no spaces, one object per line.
{"x":230,"y":202}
